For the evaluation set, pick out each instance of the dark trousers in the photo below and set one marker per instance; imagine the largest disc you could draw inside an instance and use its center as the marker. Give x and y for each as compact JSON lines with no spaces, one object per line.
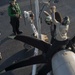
{"x":71,"y":44}
{"x":56,"y":46}
{"x":48,"y":50}
{"x":45,"y":69}
{"x":52,"y":39}
{"x":15,"y":24}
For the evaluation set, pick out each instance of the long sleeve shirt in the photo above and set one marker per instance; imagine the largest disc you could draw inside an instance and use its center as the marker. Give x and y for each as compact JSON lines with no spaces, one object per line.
{"x":61,"y":30}
{"x":13,"y":10}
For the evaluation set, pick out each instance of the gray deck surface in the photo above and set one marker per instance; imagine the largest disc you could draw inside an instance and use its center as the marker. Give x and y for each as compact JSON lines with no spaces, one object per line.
{"x":13,"y":50}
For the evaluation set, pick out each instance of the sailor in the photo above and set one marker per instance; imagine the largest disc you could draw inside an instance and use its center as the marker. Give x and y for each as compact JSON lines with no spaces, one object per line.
{"x":15,"y":14}
{"x":61,"y":38}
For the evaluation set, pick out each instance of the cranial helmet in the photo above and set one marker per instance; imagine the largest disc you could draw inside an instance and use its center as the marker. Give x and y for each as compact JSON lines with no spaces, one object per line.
{"x":66,"y":20}
{"x":48,"y":19}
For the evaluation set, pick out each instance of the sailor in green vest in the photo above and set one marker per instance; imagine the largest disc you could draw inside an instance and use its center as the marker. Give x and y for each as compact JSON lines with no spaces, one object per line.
{"x":14,"y":12}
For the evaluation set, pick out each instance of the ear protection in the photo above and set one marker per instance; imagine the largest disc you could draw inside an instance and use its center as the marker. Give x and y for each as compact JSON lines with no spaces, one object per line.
{"x":48,"y":20}
{"x":66,"y":21}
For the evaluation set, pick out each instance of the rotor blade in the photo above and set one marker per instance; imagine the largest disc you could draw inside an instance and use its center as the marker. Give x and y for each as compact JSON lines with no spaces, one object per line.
{"x":27,"y":62}
{"x":45,"y":69}
{"x":43,"y":46}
